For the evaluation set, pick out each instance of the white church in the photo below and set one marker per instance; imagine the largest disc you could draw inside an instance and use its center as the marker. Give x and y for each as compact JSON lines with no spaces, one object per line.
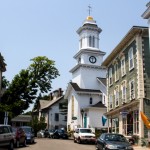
{"x":86,"y":93}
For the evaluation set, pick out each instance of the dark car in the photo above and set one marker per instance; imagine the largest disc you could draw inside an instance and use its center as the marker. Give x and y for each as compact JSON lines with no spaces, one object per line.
{"x":49,"y":133}
{"x":112,"y":141}
{"x":20,"y":136}
{"x":29,"y":134}
{"x":60,"y":134}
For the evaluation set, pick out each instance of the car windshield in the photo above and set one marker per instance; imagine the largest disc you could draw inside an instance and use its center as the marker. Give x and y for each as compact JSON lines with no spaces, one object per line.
{"x":115,"y":137}
{"x":85,"y":131}
{"x":14,"y":129}
{"x":27,"y":130}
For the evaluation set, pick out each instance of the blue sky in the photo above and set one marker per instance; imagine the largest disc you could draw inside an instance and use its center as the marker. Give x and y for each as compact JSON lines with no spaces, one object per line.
{"x":31,"y":28}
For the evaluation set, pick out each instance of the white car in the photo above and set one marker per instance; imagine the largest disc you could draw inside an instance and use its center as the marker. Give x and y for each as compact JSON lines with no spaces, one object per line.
{"x":84,"y":135}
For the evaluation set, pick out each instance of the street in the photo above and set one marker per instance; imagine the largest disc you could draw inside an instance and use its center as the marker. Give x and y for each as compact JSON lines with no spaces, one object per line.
{"x":55,"y":144}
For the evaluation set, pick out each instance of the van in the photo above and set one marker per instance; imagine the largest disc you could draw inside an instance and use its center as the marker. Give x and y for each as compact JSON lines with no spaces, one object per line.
{"x":7,"y":137}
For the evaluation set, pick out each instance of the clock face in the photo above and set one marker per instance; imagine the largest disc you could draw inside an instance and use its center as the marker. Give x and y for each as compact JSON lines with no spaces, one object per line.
{"x":92,"y":59}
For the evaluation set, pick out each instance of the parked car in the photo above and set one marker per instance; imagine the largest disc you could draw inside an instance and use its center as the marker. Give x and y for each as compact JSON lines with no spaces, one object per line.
{"x":59,"y":133}
{"x":20,"y":136}
{"x":109,"y":141}
{"x":7,"y":137}
{"x":84,"y":135}
{"x":49,"y":133}
{"x":29,"y":133}
{"x":40,"y":134}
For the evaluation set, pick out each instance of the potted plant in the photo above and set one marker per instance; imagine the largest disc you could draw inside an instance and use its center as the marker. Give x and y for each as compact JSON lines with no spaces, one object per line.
{"x":136,"y":139}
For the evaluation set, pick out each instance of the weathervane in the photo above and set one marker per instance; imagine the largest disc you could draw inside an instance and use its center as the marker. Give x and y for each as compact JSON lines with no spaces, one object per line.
{"x":90,"y":9}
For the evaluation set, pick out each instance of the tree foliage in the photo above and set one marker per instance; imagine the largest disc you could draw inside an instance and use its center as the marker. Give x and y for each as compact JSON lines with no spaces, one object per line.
{"x":26,"y":86}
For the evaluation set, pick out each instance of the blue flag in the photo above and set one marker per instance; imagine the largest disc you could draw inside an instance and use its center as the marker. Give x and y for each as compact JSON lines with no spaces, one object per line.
{"x":104,"y":119}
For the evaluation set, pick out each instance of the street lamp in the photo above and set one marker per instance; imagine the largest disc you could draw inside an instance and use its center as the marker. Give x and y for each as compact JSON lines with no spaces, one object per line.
{"x":82,"y":112}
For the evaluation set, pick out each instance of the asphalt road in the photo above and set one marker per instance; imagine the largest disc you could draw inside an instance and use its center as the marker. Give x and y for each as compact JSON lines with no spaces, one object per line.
{"x":56,"y":144}
{"x":59,"y":144}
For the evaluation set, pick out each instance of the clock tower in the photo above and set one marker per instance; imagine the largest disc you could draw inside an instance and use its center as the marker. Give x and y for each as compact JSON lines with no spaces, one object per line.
{"x":89,"y":57}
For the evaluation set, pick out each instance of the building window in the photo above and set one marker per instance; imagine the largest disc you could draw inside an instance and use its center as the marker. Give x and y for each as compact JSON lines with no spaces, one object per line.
{"x":132,"y":89}
{"x":135,"y":122}
{"x":91,"y":100}
{"x":93,"y":41}
{"x":90,"y":41}
{"x":116,"y":72}
{"x":110,"y":102}
{"x":123,"y":69}
{"x":81,"y":43}
{"x":110,"y":76}
{"x":131,"y":60}
{"x":104,"y":100}
{"x":115,"y":125}
{"x":79,"y":60}
{"x":123,"y":88}
{"x":56,"y":117}
{"x":117,"y":96}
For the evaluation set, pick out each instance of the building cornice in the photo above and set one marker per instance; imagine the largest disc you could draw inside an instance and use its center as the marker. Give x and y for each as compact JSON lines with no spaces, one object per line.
{"x":146,"y":14}
{"x":130,"y":35}
{"x":86,"y":66}
{"x":91,"y":51}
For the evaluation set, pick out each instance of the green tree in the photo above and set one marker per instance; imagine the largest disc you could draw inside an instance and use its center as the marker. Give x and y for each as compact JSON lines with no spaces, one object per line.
{"x":26,"y":85}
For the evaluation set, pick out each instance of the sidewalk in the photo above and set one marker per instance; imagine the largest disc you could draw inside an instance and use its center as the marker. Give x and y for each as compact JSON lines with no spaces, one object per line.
{"x":141,"y":148}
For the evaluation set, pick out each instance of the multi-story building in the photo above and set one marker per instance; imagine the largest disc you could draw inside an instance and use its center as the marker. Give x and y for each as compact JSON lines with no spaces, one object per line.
{"x":54,"y":110}
{"x":146,"y":15}
{"x":128,"y":83}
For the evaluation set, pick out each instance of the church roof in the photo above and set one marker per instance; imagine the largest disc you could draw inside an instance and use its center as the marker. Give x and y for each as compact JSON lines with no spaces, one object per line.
{"x":78,"y":89}
{"x":103,"y":80}
{"x":99,"y":104}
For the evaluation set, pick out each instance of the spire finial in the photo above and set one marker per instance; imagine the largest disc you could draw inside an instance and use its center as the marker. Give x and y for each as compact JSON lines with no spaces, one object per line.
{"x":89,"y":9}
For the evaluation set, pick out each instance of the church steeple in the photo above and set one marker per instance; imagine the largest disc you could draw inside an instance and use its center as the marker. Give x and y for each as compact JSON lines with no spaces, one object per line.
{"x":89,"y":34}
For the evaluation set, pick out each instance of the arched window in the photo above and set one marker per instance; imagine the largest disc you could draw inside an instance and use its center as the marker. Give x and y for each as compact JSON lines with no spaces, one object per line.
{"x":90,"y":41}
{"x":93,"y":41}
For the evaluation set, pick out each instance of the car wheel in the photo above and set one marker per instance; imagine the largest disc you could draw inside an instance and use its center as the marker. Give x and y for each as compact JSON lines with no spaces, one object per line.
{"x":74,"y":140}
{"x":79,"y":141}
{"x":96,"y":146}
{"x":17,"y":143}
{"x":11,"y":145}
{"x":25,"y":143}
